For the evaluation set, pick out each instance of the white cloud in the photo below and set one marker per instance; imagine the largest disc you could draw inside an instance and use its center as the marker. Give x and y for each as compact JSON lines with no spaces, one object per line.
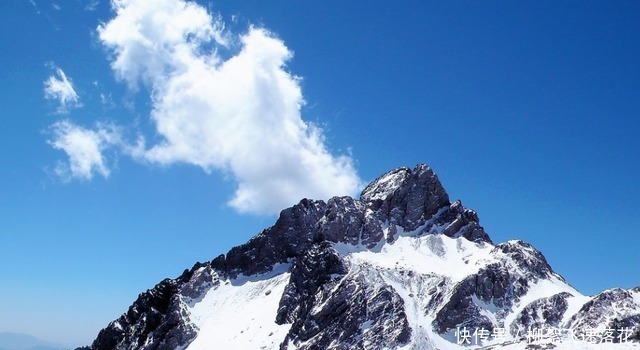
{"x":91,"y":5}
{"x":61,"y":89}
{"x":239,"y":115}
{"x":85,"y":149}
{"x":106,"y":100}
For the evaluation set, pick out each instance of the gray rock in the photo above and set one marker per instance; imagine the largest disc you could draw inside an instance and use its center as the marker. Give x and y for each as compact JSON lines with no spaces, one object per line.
{"x":359,"y":312}
{"x":540,"y":314}
{"x":155,"y":321}
{"x":615,"y":309}
{"x":405,"y":197}
{"x":316,"y":269}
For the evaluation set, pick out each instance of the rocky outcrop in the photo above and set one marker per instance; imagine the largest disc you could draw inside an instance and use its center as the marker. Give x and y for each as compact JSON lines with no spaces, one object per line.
{"x":540,"y":314}
{"x":155,"y":321}
{"x":493,"y":289}
{"x":405,"y":197}
{"x":318,"y":268}
{"x":613,"y":309}
{"x":358,"y":311}
{"x":287,"y":239}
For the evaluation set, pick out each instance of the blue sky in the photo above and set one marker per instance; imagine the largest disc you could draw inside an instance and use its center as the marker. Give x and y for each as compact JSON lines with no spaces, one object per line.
{"x":123,"y":164}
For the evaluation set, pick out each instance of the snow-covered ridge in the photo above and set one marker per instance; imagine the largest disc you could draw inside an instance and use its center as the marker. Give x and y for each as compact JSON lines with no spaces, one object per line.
{"x":400,"y":268}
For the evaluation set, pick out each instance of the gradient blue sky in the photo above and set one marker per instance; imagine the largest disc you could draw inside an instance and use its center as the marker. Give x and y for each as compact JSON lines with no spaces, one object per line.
{"x":528,"y":111}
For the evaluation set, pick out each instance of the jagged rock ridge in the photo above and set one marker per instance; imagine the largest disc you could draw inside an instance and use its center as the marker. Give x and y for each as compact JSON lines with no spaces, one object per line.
{"x":400,"y":267}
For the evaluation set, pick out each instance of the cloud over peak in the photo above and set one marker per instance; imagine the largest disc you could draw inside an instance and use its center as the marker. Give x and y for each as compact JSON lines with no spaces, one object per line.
{"x":239,"y":114}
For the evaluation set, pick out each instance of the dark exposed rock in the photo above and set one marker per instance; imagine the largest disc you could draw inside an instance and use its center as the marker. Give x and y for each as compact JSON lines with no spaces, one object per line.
{"x":154,"y":322}
{"x":342,"y":221}
{"x":288,"y":238}
{"x":459,"y":221}
{"x":527,"y":258}
{"x":493,"y":286}
{"x":318,"y":267}
{"x":493,"y":289}
{"x":541,"y":313}
{"x":629,"y":323}
{"x":354,"y":314}
{"x":466,"y":224}
{"x":203,"y":278}
{"x":405,"y":197}
{"x":597,"y":314}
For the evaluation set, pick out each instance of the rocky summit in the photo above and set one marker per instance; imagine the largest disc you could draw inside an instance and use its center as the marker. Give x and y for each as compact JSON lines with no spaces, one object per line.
{"x":402,"y":267}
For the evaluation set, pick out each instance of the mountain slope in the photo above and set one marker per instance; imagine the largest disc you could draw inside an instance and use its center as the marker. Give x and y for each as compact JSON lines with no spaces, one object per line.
{"x":399,"y":268}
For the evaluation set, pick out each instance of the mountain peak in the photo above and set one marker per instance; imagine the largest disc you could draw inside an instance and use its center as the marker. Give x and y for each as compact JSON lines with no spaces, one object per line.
{"x":403,"y":180}
{"x":406,"y":197}
{"x":400,"y":267}
{"x":385,"y":185}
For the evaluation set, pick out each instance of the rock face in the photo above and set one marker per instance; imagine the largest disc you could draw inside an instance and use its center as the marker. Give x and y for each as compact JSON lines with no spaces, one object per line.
{"x":541,"y":313}
{"x":614,"y":309}
{"x":400,"y":267}
{"x":156,"y":320}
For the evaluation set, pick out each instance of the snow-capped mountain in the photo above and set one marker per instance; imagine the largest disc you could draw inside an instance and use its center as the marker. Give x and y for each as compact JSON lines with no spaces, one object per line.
{"x":401,"y":267}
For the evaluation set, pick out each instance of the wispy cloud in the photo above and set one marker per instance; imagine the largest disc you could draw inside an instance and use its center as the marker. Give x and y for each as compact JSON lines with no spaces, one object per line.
{"x":221,"y":101}
{"x":85,"y":149}
{"x":59,"y":88}
{"x":106,"y":100}
{"x":91,"y":5}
